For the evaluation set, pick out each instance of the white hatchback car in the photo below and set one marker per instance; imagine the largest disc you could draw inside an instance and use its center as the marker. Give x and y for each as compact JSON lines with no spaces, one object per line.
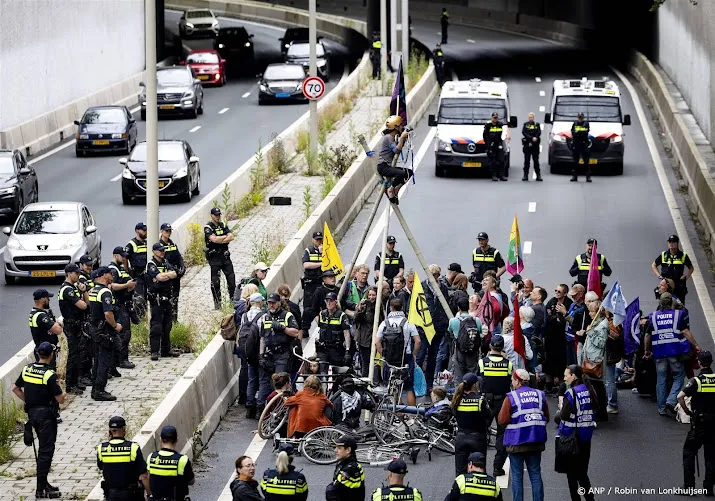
{"x":48,"y":236}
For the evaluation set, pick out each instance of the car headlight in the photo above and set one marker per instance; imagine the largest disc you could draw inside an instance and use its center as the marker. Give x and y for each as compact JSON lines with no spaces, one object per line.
{"x":220,"y":46}
{"x":444,"y":145}
{"x":262,"y":88}
{"x":127,"y":174}
{"x":247,"y":44}
{"x":84,"y":136}
{"x":188,"y":95}
{"x":215,"y":23}
{"x":322,"y":63}
{"x":73,"y":242}
{"x":183,"y":172}
{"x":286,"y":45}
{"x":13,"y":243}
{"x":559,"y":138}
{"x":119,"y":136}
{"x":189,"y":25}
{"x":617,"y":139}
{"x":7,"y":191}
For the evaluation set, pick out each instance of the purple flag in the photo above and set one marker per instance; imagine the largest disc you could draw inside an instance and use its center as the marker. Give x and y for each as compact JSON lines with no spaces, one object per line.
{"x":632,"y":327}
{"x":398,"y":103}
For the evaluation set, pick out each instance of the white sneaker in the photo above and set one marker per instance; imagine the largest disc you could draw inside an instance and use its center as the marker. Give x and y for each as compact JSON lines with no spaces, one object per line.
{"x":612,"y":410}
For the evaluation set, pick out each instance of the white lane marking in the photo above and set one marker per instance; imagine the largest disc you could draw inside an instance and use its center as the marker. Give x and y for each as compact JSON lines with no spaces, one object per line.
{"x":542,"y":109}
{"x":540,"y":149}
{"x":470,"y":40}
{"x":698,"y":280}
{"x":117,"y":177}
{"x":542,"y":93}
{"x":527,"y":247}
{"x":2,"y":250}
{"x":532,"y":205}
{"x":223,"y":111}
{"x":246,"y":95}
{"x":538,"y":79}
{"x":195,"y":128}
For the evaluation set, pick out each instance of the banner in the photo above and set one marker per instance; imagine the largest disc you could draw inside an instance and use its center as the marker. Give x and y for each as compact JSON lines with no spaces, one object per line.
{"x":420,"y":315}
{"x":515,"y":261}
{"x":331,"y":258}
{"x":398,"y":103}
{"x":594,"y":276}
{"x":615,"y":302}
{"x":632,"y":327}
{"x":519,"y":341}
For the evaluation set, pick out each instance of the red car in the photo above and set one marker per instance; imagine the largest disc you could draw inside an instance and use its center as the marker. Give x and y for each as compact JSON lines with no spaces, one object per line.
{"x":208,"y":66}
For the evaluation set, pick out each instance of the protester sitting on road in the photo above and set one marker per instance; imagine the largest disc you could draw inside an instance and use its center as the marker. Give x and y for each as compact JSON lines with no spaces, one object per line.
{"x":281,"y":384}
{"x":307,"y":408}
{"x":348,"y":405}
{"x":440,"y":413}
{"x":244,"y":487}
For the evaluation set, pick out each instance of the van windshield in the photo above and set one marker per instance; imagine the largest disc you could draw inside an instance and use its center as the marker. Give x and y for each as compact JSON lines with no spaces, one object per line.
{"x":470,"y":111}
{"x":594,"y":108}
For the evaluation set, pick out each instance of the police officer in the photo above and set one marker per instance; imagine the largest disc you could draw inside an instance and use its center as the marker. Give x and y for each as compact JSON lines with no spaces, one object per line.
{"x":375,"y":55}
{"x":73,"y":303}
{"x":349,"y":478}
{"x":328,"y":285}
{"x":159,"y":276}
{"x":283,"y":483}
{"x":333,"y":344}
{"x":174,"y":258}
{"x":473,"y":416}
{"x":531,"y":132}
{"x":673,"y":263}
{"x":485,"y":258}
{"x":217,"y":236}
{"x":394,"y":263}
{"x":312,"y":265}
{"x":438,"y":58}
{"x":38,"y":387}
{"x":444,"y":22}
{"x":396,"y":488}
{"x":582,"y":264}
{"x":701,"y":389}
{"x":475,"y":485}
{"x":85,"y":270}
{"x":495,"y":148}
{"x":123,"y":288}
{"x":137,"y":257}
{"x":43,"y":325}
{"x":170,"y":472}
{"x":86,"y":346}
{"x":580,"y":147}
{"x":495,"y":371}
{"x":103,"y":328}
{"x":122,"y":464}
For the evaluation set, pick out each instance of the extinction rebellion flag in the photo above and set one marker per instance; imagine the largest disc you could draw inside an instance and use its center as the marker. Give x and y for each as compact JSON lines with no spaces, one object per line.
{"x":398,"y":103}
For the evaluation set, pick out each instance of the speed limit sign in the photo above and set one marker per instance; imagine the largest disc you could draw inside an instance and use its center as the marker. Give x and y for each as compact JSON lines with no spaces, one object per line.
{"x":313,"y":88}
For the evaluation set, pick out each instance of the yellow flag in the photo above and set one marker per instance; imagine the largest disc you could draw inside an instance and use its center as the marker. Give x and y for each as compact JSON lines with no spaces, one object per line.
{"x":420,"y":315}
{"x":331,"y":258}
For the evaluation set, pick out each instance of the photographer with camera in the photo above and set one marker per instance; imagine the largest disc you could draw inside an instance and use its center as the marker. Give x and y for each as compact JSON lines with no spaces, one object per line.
{"x":493,"y":131}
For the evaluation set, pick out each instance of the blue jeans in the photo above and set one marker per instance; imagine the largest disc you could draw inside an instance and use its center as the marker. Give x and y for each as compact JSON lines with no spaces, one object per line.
{"x":609,"y":379}
{"x":252,"y":386}
{"x":433,"y":350}
{"x":443,"y":351}
{"x":678,"y":370}
{"x":533,"y":467}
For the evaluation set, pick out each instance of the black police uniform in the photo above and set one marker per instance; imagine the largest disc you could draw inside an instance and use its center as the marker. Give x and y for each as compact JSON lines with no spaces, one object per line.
{"x":495,"y":149}
{"x":439,"y":65}
{"x":219,"y":259}
{"x":702,"y":428}
{"x":72,"y":318}
{"x":174,"y":258}
{"x":86,"y":346}
{"x":396,"y":493}
{"x":529,"y":131}
{"x":124,"y":300}
{"x":319,"y":296}
{"x":161,"y":312}
{"x":444,"y":22}
{"x":473,"y":417}
{"x":474,"y":486}
{"x":285,"y":486}
{"x":276,"y":357}
{"x":40,"y":386}
{"x":580,"y":147}
{"x":330,"y":345}
{"x":582,"y":265}
{"x":41,"y":321}
{"x":484,"y":261}
{"x":136,"y":254}
{"x":121,"y":462}
{"x":311,"y":281}
{"x":169,"y":475}
{"x":496,"y":371}
{"x":101,"y":300}
{"x":673,"y":266}
{"x":348,"y":482}
{"x":393,"y":263}
{"x":375,"y":53}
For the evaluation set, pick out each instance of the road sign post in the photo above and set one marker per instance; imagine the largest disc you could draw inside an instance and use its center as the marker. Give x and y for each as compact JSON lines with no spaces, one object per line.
{"x":313,"y":72}
{"x":313,"y":88}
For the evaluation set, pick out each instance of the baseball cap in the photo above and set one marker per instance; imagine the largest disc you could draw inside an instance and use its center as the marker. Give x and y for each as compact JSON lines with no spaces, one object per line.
{"x":256,"y":297}
{"x":705,"y":358}
{"x":274,"y":298}
{"x":673,"y":238}
{"x":495,"y":114}
{"x":71,"y":268}
{"x":116,"y":422}
{"x":85,"y":259}
{"x":497,"y":342}
{"x":102,"y":270}
{"x":470,"y":378}
{"x":157,"y":247}
{"x":455,"y":267}
{"x":287,"y":448}
{"x":46,"y":349}
{"x":261,"y":266}
{"x":120,"y":250}
{"x":482,"y":236}
{"x":140,"y":226}
{"x":166,"y":227}
{"x":522,"y":375}
{"x":346,"y":441}
{"x":516,"y":279}
{"x":477,"y":459}
{"x":215,"y":211}
{"x":331,"y":296}
{"x":397,"y":466}
{"x":317,"y":235}
{"x":328,"y":273}
{"x":591,"y":240}
{"x":391,"y":239}
{"x":41,"y":293}
{"x":168,"y":433}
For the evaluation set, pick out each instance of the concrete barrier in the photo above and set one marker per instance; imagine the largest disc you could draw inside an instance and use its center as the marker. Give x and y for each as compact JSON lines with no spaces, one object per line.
{"x":701,"y":186}
{"x":11,"y":369}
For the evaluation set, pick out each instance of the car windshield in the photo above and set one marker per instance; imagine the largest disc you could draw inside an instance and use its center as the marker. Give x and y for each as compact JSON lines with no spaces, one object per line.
{"x":173,"y":77}
{"x":104,"y":116}
{"x":39,"y":222}
{"x":202,"y":58}
{"x":471,"y":111}
{"x":168,"y":152}
{"x":594,"y":108}
{"x":233,"y":33}
{"x":286,"y":72}
{"x":6,"y":166}
{"x":198,"y":13}
{"x":303,"y":50}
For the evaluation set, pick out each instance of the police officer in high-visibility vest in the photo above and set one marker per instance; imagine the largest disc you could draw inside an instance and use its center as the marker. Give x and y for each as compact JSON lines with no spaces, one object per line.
{"x":159,"y":276}
{"x":73,"y":304}
{"x":312,"y":278}
{"x":348,"y":478}
{"x":122,"y":464}
{"x":582,"y":264}
{"x":396,"y":488}
{"x":104,"y":326}
{"x":701,"y":410}
{"x":485,"y":258}
{"x":123,"y":288}
{"x":473,"y":416}
{"x":174,"y":258}
{"x":217,"y":236}
{"x":475,"y":484}
{"x":495,"y":371}
{"x":394,"y":263}
{"x":494,"y":143}
{"x":38,"y":387}
{"x":170,"y":472}
{"x":674,"y":264}
{"x":284,"y":483}
{"x":137,"y":258}
{"x":439,"y":63}
{"x":86,"y":345}
{"x":531,"y":141}
{"x":376,"y":55}
{"x":43,"y":325}
{"x":580,"y":147}
{"x":333,"y":343}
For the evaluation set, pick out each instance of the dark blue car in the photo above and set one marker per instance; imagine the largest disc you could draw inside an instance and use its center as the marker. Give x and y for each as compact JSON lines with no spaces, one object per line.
{"x":106,"y":128}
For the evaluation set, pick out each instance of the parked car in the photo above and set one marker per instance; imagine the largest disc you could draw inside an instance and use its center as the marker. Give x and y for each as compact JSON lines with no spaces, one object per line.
{"x":196,"y":23}
{"x":18,"y":182}
{"x":299,"y":53}
{"x":47,"y":237}
{"x":235,"y":45}
{"x":178,"y":92}
{"x":208,"y":66}
{"x":282,"y":82}
{"x":179,"y":171}
{"x":106,"y":128}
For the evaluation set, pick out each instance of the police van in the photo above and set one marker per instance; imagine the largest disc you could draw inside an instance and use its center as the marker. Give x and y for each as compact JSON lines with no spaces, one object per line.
{"x":464,"y":109}
{"x":600,"y":103}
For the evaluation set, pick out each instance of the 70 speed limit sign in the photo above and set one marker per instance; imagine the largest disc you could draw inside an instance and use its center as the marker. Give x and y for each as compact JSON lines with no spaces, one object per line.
{"x":313,"y":88}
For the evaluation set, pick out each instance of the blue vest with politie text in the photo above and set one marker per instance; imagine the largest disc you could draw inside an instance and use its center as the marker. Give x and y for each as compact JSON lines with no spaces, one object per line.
{"x":528,"y":422}
{"x":582,"y":417}
{"x":666,"y":338}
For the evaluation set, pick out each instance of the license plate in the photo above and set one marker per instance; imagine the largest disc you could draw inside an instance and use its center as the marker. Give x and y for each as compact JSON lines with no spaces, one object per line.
{"x":101,"y":142}
{"x":283,"y":94}
{"x":471,"y":164}
{"x":166,"y":107}
{"x":591,"y":161}
{"x":203,"y":77}
{"x":43,"y":273}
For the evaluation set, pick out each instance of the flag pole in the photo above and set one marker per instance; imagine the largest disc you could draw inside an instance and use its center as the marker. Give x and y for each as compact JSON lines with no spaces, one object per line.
{"x":378,"y":302}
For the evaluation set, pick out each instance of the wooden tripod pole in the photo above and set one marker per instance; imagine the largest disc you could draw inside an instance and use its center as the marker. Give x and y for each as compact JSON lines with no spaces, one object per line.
{"x":378,"y":302}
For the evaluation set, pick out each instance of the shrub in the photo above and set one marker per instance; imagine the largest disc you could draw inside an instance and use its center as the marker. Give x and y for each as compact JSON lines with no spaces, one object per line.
{"x":307,"y":202}
{"x":277,"y":158}
{"x":329,"y":181}
{"x":311,"y":158}
{"x":183,"y":337}
{"x":11,"y":417}
{"x":194,"y":254}
{"x":139,"y":343}
{"x":303,"y":142}
{"x":415,"y":69}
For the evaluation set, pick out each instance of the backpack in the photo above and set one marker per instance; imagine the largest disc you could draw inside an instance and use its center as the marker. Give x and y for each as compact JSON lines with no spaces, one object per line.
{"x":469,"y":336}
{"x":228,"y":327}
{"x":249,"y":338}
{"x":241,"y":284}
{"x":393,"y":342}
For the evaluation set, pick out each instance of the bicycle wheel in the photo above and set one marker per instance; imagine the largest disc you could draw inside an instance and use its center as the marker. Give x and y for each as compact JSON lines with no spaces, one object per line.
{"x":376,"y":454}
{"x":274,"y":415}
{"x":318,"y":445}
{"x":389,"y":427}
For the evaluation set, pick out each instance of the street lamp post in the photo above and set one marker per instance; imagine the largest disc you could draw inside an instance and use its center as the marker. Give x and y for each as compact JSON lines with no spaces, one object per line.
{"x":383,"y":50}
{"x":152,"y":128}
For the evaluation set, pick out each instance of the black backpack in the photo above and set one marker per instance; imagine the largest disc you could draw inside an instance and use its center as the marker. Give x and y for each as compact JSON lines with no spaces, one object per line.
{"x":393,"y":342}
{"x":249,"y":338}
{"x":241,"y":284}
{"x":469,"y":337}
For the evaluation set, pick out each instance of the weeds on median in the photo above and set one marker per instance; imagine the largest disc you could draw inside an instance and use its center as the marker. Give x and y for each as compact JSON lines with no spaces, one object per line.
{"x":415,"y":69}
{"x":277,"y":158}
{"x":266,"y":249}
{"x":303,"y":141}
{"x":329,"y":182}
{"x":184,"y":337}
{"x":307,"y":202}
{"x":11,"y":417}
{"x":194,"y":255}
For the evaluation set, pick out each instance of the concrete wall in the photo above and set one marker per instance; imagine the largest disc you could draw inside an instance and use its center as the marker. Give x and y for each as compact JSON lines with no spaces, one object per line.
{"x":55,"y":51}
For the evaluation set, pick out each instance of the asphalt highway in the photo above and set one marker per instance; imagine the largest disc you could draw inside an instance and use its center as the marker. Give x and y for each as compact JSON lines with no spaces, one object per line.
{"x":219,"y":137}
